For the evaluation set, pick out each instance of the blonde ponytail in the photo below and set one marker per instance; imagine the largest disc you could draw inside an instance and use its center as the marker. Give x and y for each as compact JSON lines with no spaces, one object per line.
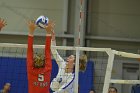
{"x":82,"y":63}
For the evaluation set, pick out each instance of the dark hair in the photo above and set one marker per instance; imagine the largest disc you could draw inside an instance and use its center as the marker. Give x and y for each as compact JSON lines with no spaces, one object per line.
{"x":113,"y":88}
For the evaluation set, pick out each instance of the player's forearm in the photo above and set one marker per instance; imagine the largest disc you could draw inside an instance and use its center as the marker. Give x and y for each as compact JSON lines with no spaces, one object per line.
{"x":48,"y":45}
{"x":48,"y":53}
{"x":48,"y":41}
{"x":30,"y":43}
{"x":30,"y":48}
{"x":55,"y":54}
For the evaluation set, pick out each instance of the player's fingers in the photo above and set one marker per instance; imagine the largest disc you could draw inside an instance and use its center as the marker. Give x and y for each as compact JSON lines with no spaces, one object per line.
{"x":5,"y":23}
{"x":36,"y":25}
{"x":2,"y":20}
{"x":50,"y":22}
{"x":33,"y":21}
{"x":53,"y":24}
{"x":27,"y":21}
{"x":46,"y":26}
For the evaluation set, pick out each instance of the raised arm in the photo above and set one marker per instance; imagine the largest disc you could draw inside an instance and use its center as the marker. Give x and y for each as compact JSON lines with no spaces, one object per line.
{"x":30,"y":51}
{"x":32,"y":27}
{"x":55,"y":54}
{"x":2,"y":23}
{"x":48,"y":63}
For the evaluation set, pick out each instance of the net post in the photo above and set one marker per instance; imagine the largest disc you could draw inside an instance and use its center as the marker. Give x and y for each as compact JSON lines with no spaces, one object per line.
{"x":76,"y":71}
{"x":108,"y":71}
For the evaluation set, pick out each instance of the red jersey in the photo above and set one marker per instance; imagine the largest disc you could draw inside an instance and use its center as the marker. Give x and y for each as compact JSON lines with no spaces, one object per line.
{"x":39,"y":78}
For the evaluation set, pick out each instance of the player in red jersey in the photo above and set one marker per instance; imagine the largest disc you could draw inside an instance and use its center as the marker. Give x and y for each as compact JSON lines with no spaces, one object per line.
{"x":38,"y":68}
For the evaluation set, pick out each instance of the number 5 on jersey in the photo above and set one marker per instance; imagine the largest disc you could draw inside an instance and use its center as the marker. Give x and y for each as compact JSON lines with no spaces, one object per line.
{"x":40,"y":77}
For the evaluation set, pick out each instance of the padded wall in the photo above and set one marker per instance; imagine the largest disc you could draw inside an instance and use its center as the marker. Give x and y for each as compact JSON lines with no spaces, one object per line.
{"x":13,"y":70}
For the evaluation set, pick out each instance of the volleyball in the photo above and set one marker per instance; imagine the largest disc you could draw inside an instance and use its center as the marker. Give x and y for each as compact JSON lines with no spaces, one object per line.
{"x":42,"y":21}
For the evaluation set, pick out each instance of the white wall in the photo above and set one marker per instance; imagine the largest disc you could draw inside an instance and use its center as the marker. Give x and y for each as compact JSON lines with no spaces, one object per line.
{"x":116,"y":18}
{"x":17,"y":11}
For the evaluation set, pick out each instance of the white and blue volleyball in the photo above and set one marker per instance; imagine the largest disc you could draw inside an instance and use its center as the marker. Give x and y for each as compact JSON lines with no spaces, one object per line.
{"x":42,"y":21}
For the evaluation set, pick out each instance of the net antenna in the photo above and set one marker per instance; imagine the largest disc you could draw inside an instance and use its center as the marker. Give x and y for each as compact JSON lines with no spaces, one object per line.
{"x":78,"y":44}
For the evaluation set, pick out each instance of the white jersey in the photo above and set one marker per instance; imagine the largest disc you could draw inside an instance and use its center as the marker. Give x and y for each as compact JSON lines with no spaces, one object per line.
{"x":63,"y":83}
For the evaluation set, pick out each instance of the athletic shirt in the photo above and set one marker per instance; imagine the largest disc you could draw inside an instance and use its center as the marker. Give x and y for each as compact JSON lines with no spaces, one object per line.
{"x":63,"y":83}
{"x":39,"y":78}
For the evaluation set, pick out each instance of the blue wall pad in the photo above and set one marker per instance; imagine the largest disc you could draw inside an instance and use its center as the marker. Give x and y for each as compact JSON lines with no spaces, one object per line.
{"x":13,"y":70}
{"x":86,"y":78}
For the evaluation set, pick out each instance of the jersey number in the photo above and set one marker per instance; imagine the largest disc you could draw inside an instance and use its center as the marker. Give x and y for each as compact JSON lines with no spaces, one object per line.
{"x":40,"y":77}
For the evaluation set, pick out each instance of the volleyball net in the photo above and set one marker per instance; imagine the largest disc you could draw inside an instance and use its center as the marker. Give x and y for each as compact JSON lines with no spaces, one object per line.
{"x":100,"y":71}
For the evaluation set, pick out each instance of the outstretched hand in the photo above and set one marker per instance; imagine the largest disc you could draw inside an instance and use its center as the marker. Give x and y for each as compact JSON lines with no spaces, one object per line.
{"x":2,"y":23}
{"x":32,"y":26}
{"x":50,"y":27}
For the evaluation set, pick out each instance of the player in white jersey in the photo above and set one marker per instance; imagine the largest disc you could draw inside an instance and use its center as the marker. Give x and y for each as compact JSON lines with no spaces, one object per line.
{"x":63,"y":83}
